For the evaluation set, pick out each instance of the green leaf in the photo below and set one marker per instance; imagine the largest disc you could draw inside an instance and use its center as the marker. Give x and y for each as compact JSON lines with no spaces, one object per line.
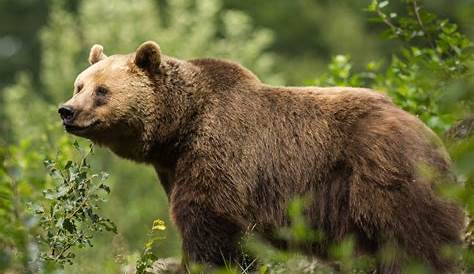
{"x":76,"y":145}
{"x":69,"y":226}
{"x":263,"y":269}
{"x":105,"y":187}
{"x":372,"y":6}
{"x":383,"y":4}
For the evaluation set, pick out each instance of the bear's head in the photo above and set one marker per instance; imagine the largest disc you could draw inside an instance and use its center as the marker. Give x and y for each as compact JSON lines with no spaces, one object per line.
{"x":125,"y":102}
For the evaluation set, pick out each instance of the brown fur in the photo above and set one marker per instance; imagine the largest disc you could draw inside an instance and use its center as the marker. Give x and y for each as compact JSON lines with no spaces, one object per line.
{"x":232,"y":152}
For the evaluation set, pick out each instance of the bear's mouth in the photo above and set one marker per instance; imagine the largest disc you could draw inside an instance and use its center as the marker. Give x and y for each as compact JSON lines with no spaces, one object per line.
{"x":75,"y":129}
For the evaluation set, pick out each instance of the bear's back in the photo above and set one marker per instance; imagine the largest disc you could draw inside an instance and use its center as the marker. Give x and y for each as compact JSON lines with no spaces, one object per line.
{"x":222,"y":75}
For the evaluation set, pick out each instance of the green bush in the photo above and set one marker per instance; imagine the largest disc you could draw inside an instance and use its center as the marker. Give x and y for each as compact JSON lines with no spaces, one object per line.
{"x":70,"y":216}
{"x":422,"y":75}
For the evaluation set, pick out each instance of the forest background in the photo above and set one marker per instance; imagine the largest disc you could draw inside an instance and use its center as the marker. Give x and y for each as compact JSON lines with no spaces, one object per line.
{"x":419,"y":53}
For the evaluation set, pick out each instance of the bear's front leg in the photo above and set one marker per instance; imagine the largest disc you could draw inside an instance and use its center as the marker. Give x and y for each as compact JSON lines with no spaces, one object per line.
{"x":209,"y":237}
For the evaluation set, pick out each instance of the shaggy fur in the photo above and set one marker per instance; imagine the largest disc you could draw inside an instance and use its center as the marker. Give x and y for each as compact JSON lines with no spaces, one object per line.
{"x":231,"y":152}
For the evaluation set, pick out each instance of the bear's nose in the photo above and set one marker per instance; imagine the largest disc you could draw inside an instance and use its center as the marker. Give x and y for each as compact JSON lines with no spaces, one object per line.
{"x":66,"y":113}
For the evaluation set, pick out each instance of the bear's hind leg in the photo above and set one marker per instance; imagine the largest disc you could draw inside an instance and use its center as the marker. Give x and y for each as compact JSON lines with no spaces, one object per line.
{"x":410,"y":216}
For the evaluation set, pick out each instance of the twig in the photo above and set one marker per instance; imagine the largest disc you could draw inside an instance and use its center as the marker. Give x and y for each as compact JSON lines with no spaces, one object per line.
{"x":420,"y":23}
{"x":62,"y":252}
{"x":387,"y":22}
{"x":69,"y":216}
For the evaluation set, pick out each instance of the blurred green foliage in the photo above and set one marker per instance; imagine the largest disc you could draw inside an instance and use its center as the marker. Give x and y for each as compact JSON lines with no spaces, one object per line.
{"x":424,"y":64}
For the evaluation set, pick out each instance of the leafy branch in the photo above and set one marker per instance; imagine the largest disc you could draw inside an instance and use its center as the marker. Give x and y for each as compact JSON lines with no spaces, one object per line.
{"x":147,"y":258}
{"x":421,"y":75}
{"x":70,"y":214}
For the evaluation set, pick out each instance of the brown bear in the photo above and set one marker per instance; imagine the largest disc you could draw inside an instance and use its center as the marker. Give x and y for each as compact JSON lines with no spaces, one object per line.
{"x":232,"y":152}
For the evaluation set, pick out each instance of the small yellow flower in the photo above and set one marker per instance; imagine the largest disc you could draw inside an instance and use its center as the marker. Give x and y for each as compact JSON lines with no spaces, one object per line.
{"x":158,"y":225}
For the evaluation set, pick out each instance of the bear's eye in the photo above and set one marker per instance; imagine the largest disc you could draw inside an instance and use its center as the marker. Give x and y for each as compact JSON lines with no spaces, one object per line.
{"x":101,"y":91}
{"x":79,"y":88}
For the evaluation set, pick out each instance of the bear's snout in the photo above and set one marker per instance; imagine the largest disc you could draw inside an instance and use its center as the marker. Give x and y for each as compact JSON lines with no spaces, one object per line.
{"x":67,"y":114}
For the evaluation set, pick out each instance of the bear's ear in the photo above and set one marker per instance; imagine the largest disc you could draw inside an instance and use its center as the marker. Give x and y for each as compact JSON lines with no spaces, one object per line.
{"x":96,"y":54}
{"x":148,"y":57}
